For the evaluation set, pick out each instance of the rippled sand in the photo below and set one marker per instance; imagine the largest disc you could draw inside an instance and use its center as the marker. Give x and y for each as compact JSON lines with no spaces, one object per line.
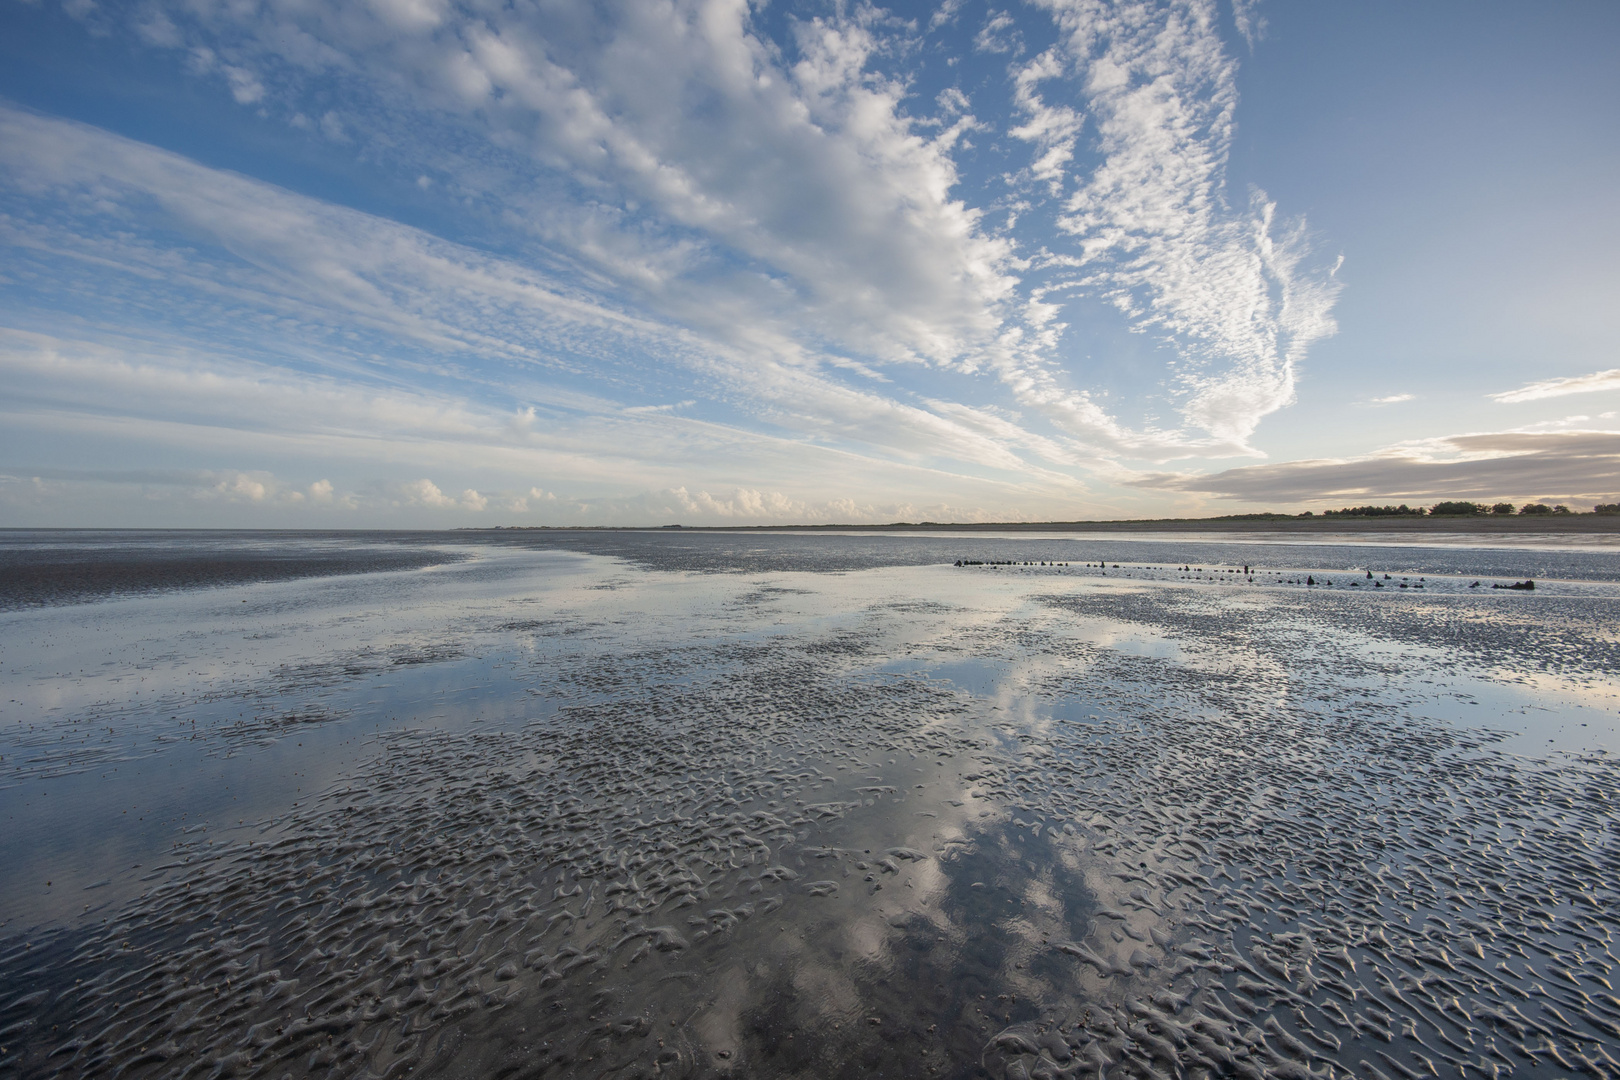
{"x":543,"y":814}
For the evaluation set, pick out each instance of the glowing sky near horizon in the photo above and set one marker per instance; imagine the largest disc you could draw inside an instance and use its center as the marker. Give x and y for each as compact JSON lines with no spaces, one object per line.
{"x":421,"y":263}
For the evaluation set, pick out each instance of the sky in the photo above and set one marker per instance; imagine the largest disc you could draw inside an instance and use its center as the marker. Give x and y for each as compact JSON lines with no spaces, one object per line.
{"x":423,"y":263}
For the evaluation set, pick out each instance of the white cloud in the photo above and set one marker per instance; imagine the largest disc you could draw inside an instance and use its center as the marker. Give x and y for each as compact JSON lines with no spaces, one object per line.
{"x":743,"y":503}
{"x":245,"y":86}
{"x":1563,"y":423}
{"x":999,"y":34}
{"x":520,"y":504}
{"x":642,"y":410}
{"x":1392,"y":399}
{"x":243,"y":486}
{"x":425,"y":492}
{"x":332,"y":127}
{"x":254,"y":487}
{"x":410,"y":15}
{"x":946,"y":13}
{"x":754,"y":506}
{"x":156,"y":28}
{"x":1249,"y":23}
{"x":1549,"y":388}
{"x":952,"y":102}
{"x":1053,"y":128}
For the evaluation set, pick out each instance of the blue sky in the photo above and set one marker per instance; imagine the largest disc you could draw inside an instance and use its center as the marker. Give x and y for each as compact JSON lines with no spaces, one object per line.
{"x":419,"y":263}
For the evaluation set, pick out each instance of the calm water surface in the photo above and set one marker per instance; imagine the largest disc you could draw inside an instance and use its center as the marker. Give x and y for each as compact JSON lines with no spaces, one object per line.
{"x":695,"y":804}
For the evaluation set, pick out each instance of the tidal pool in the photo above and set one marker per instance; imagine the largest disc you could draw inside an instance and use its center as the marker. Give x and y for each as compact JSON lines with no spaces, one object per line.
{"x":641,"y":804}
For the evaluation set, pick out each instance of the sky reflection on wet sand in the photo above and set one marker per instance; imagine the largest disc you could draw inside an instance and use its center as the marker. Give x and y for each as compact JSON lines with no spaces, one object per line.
{"x":605,"y":812}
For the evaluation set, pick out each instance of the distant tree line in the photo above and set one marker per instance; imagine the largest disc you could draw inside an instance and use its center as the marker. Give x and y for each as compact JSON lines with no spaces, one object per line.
{"x":1461,"y":509}
{"x":1377,"y":511}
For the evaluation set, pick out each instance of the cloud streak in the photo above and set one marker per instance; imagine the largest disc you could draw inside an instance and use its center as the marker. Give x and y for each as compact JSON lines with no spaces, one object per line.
{"x":1551,"y":388}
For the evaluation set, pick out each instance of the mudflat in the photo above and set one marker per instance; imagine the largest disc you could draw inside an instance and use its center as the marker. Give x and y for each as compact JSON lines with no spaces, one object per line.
{"x":711,"y":804}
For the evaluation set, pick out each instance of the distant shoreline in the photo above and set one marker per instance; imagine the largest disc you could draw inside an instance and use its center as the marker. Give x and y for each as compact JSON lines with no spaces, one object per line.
{"x":1484,"y":524}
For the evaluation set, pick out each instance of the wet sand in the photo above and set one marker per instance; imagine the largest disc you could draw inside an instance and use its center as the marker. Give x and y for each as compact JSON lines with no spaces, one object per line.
{"x":41,"y":568}
{"x":645,"y":813}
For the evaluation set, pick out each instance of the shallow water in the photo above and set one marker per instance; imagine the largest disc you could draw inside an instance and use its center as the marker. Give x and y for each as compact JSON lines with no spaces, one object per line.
{"x":705,"y":804}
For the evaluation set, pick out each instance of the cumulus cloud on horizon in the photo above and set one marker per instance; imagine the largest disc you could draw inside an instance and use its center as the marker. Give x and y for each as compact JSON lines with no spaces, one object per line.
{"x":165,"y":493}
